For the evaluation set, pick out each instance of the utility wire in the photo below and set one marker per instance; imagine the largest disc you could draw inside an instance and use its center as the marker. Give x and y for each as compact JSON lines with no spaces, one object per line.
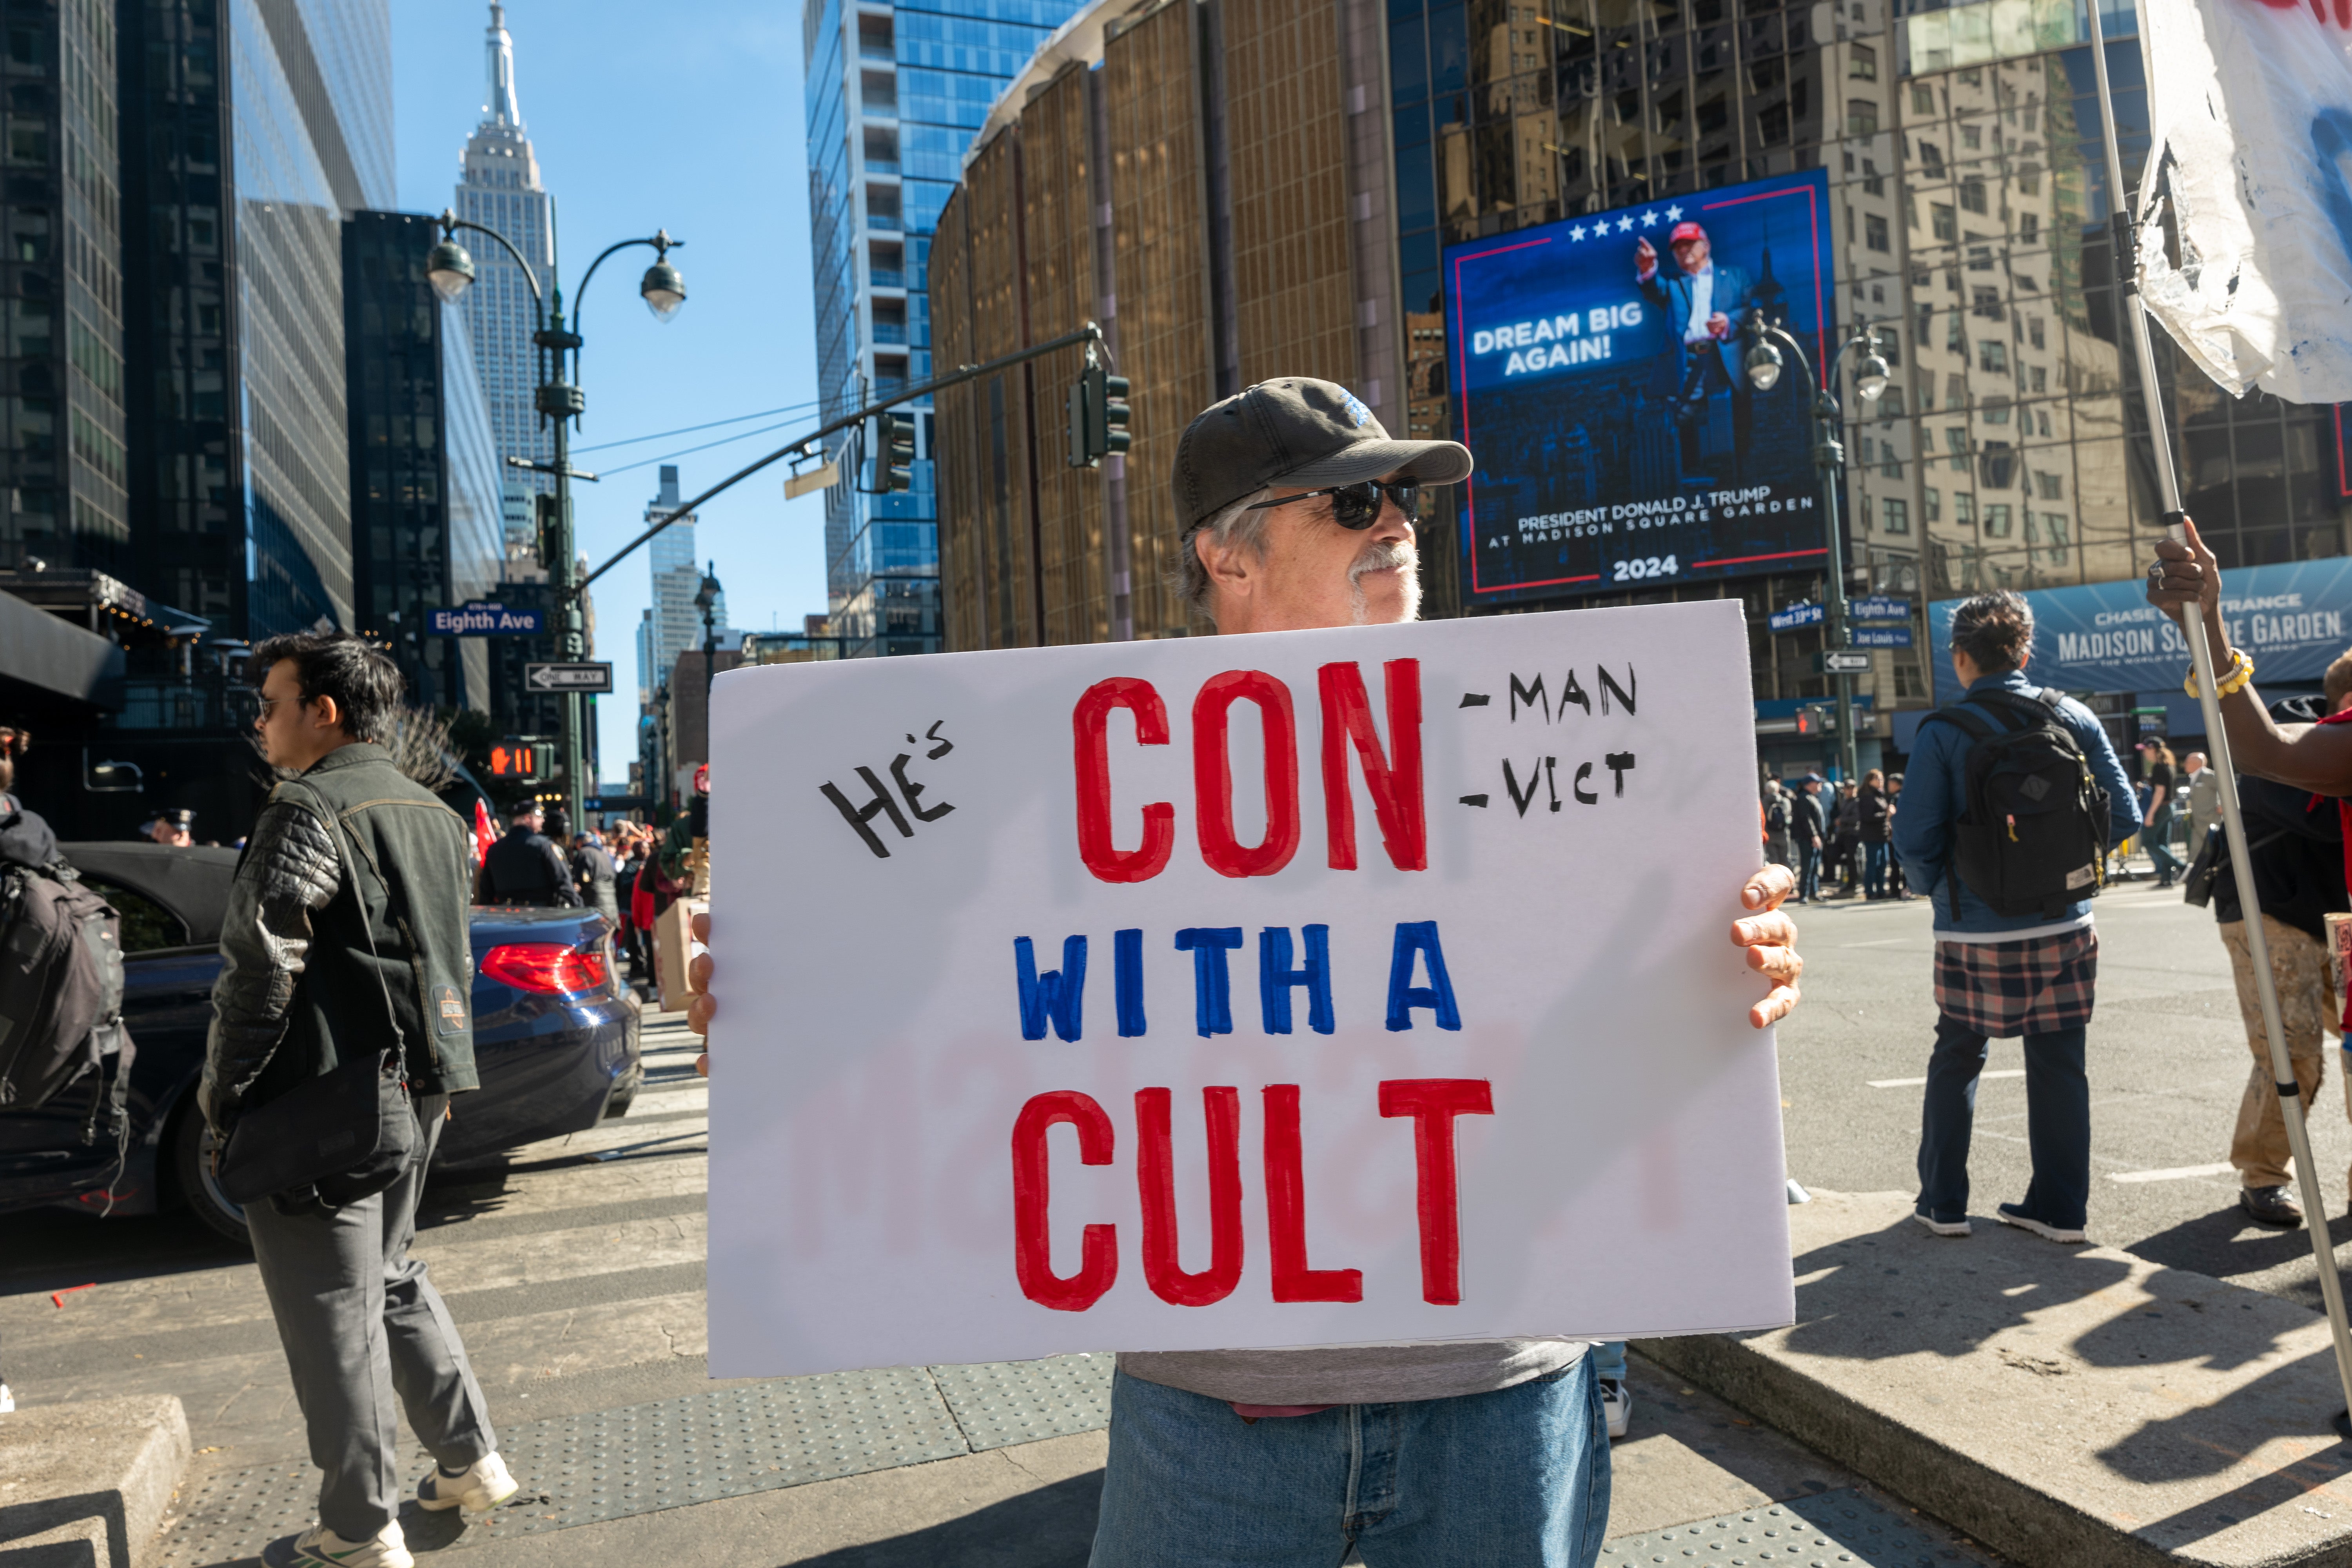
{"x":723,"y":440}
{"x":690,"y":429}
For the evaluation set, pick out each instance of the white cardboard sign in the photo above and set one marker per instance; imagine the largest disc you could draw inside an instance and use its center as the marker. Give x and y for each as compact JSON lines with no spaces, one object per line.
{"x":1311,"y":988}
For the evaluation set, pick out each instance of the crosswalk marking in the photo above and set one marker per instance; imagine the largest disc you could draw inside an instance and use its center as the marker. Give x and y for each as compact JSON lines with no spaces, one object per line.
{"x":2176,"y":1173}
{"x":1921,"y":1082}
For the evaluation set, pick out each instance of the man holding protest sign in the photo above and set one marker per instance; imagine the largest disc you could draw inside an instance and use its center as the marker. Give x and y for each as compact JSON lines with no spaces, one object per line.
{"x":1418,"y":1449}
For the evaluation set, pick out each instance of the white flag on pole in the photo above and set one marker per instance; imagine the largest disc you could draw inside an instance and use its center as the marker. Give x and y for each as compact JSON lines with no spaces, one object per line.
{"x":2250,"y":110}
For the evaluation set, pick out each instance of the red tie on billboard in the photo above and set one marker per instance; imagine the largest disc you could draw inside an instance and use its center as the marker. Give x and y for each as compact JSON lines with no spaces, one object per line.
{"x":483,"y":834}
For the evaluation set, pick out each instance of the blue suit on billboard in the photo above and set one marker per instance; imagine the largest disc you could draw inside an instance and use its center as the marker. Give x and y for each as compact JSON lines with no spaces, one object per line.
{"x":1710,"y":365}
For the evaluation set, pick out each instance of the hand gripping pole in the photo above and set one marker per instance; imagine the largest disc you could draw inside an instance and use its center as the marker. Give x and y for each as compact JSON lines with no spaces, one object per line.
{"x":2201,"y":657}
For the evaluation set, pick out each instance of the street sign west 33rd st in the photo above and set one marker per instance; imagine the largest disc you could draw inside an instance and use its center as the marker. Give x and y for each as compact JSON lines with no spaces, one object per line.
{"x":594,"y":678}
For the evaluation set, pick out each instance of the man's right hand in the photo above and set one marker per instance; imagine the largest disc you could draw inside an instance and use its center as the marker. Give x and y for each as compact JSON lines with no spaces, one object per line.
{"x":1645,"y":260}
{"x":697,"y":982}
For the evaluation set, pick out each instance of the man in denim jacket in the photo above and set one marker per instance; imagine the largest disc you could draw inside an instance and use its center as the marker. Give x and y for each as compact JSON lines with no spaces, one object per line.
{"x":1998,"y":976}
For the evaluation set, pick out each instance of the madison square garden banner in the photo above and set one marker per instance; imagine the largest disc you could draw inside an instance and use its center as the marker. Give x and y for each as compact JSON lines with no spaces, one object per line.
{"x":1603,"y":393}
{"x":1346,"y":986}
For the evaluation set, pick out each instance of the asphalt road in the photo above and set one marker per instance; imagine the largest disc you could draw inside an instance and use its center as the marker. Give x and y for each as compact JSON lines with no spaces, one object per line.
{"x":2168,"y":1059}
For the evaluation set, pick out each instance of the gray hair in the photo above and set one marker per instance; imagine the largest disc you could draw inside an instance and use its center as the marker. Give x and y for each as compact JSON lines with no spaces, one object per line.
{"x":1236,"y":524}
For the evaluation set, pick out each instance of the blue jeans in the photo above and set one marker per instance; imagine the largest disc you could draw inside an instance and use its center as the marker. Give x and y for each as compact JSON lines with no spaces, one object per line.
{"x":1516,"y":1479}
{"x":2057,"y":1124}
{"x":2157,"y":836}
{"x":1873,"y":869}
{"x":1809,"y":872}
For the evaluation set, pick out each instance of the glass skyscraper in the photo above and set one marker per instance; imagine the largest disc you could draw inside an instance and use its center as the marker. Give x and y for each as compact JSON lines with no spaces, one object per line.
{"x":894,"y":94}
{"x":674,"y":624}
{"x":424,"y":475}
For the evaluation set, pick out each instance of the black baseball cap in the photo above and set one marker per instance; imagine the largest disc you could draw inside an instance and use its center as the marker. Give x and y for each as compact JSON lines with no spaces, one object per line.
{"x":1297,"y":431}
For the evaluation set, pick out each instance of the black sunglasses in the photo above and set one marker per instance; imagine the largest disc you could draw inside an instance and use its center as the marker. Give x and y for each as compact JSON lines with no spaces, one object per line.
{"x":1357,"y":506}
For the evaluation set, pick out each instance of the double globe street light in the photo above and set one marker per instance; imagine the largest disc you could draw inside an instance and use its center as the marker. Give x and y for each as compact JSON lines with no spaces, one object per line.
{"x":1764,"y":366}
{"x":450,"y":269}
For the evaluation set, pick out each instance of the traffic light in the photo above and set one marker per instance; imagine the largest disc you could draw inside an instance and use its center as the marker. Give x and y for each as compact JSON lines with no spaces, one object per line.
{"x":548,"y":533}
{"x":1099,"y":415}
{"x":1816,"y":718}
{"x":522,"y":761}
{"x":895,"y":456}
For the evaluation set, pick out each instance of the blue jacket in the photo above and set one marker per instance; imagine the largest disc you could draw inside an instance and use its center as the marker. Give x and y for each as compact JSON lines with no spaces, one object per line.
{"x":1935,"y":793}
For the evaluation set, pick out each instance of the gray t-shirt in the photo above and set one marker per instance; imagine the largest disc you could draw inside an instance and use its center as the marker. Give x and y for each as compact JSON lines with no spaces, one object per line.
{"x":1354,"y":1375}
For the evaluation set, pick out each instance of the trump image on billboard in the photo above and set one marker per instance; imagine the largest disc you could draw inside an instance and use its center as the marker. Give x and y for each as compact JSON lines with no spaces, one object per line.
{"x":1600,"y":368}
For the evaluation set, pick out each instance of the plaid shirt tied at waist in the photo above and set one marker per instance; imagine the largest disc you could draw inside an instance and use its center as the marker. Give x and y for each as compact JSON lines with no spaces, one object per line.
{"x":2035,"y":986}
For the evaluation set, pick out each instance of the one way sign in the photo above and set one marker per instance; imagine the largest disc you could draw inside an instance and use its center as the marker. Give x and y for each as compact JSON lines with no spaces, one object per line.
{"x":568,"y":677}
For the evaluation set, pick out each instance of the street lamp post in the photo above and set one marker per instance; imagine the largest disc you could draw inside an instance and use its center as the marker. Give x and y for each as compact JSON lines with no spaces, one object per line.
{"x":1829,"y":456}
{"x":450,"y":271}
{"x":706,"y":599}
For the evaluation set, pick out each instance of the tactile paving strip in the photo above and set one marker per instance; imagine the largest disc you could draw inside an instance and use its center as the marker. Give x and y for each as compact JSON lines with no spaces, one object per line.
{"x":642,"y":1459}
{"x":999,"y":1404}
{"x":1835,"y":1530}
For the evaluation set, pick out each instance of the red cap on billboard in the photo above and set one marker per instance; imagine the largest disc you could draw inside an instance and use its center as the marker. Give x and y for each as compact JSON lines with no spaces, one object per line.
{"x":1684,"y":231}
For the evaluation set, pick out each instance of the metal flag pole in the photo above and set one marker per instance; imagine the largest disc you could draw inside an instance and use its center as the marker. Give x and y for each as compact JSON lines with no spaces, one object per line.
{"x":2124,"y":245}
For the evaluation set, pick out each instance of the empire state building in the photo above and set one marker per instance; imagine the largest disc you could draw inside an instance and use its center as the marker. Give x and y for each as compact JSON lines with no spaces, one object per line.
{"x":500,"y":190}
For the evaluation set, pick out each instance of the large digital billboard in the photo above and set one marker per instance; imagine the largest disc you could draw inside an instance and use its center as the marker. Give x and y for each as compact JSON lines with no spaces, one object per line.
{"x":1598,"y":364}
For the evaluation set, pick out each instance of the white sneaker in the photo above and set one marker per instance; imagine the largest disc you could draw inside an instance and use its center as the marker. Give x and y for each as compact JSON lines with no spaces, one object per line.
{"x":1617,"y":1403}
{"x":483,"y":1487}
{"x":1943,"y":1226}
{"x":322,"y":1548}
{"x":2009,"y":1213}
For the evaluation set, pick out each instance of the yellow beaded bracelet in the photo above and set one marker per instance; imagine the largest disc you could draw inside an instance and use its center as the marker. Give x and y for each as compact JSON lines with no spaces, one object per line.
{"x":2240,"y":675}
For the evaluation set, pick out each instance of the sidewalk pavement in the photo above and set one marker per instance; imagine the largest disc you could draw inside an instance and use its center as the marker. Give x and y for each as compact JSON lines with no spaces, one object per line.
{"x":2063,"y":1404}
{"x":1690,"y":1457}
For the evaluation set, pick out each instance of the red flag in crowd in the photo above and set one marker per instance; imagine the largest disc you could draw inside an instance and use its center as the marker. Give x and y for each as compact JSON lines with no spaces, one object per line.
{"x":483,"y":834}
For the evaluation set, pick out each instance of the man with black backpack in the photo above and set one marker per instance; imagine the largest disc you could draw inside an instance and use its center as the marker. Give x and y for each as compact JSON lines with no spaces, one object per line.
{"x":2015,"y":795}
{"x":345,"y":956}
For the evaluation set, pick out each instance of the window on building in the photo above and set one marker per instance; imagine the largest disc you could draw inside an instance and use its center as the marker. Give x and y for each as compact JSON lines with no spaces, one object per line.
{"x":1923,"y":100}
{"x":2043,"y":415}
{"x":2049,"y":487}
{"x":1964,"y":509}
{"x":1955,"y":339}
{"x":1946,"y":221}
{"x":1861,"y":63}
{"x":1934,"y":508}
{"x":1931,"y":159}
{"x":1874,"y":233}
{"x":1896,"y":515}
{"x":1971,"y":137}
{"x":1993,"y":355}
{"x":1994,"y":410}
{"x":1988,"y":304}
{"x":1956,"y":392}
{"x":1972,"y":195}
{"x":1860,"y":117}
{"x":1956,"y":443}
{"x":2054,"y":529}
{"x":2028,"y":184}
{"x":2038,"y":379}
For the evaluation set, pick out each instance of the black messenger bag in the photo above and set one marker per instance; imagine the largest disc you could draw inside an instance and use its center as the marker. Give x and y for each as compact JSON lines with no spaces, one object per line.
{"x":343,"y":1135}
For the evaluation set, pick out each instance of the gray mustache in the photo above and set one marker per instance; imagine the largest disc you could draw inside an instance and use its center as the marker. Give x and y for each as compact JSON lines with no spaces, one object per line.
{"x":1384,"y":555}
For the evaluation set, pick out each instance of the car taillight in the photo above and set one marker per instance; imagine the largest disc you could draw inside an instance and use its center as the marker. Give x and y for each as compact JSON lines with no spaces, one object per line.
{"x":545,"y":966}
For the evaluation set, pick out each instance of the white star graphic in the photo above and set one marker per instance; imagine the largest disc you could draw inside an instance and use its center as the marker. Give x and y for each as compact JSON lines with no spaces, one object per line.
{"x":1674,"y":214}
{"x":1650,"y":219}
{"x":1576,"y":233}
{"x":1625,"y":226}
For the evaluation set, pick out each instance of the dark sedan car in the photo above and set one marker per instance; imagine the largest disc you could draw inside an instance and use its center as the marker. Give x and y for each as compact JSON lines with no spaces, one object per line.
{"x":555,"y":1040}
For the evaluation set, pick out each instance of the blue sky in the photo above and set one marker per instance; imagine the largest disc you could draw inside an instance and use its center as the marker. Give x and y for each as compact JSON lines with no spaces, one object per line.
{"x":684,"y":116}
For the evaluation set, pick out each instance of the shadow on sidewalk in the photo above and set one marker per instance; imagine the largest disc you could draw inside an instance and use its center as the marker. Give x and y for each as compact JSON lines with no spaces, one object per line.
{"x":1053,"y":1527}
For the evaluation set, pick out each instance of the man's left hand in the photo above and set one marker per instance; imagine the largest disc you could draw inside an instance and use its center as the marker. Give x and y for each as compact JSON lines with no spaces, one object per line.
{"x":1719,"y":326}
{"x":1770,"y":939}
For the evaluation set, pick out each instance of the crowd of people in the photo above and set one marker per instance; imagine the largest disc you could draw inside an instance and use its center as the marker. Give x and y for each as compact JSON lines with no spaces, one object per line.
{"x":1839,"y":841}
{"x":626,"y":871}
